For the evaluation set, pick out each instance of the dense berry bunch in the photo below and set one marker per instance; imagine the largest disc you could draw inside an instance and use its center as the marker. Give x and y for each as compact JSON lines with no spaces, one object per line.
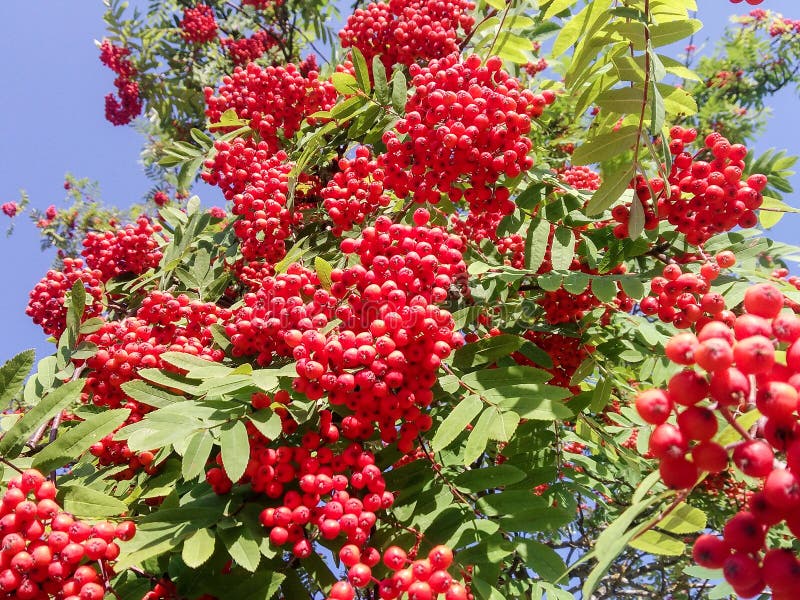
{"x":704,"y":197}
{"x":245,"y":50}
{"x":10,"y":209}
{"x":123,"y":108}
{"x":275,"y":100}
{"x":355,"y":191}
{"x":566,"y":352}
{"x":404,"y":32}
{"x":420,"y":579}
{"x":46,"y":553}
{"x":580,"y":177}
{"x":163,"y":323}
{"x":740,"y":370}
{"x":264,"y":218}
{"x":198,"y":25}
{"x":161,"y":198}
{"x":465,"y":127}
{"x":131,"y":249}
{"x":47,"y":299}
{"x":258,"y":326}
{"x":262,"y":4}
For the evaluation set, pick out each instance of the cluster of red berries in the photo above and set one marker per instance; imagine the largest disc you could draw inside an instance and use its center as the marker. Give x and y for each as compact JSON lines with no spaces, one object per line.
{"x":131,"y":249}
{"x":742,"y":372}
{"x":47,"y":299}
{"x":421,"y":579}
{"x":381,"y":362}
{"x":566,"y":352}
{"x":465,"y":127}
{"x":355,"y":191}
{"x":10,"y":209}
{"x":275,"y":100}
{"x":406,"y":31}
{"x":750,"y":2}
{"x":163,"y":323}
{"x":198,"y":25}
{"x":683,"y":298}
{"x":704,"y":197}
{"x":277,"y":306}
{"x":161,"y":198}
{"x":128,"y":105}
{"x":46,"y":553}
{"x":580,"y":177}
{"x":245,"y":50}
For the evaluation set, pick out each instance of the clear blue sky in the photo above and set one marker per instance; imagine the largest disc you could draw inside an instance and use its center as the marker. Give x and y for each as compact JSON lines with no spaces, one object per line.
{"x":51,"y":122}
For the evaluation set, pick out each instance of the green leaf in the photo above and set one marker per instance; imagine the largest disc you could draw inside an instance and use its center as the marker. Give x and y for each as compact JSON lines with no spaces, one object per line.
{"x":502,"y":425}
{"x":655,"y":542}
{"x":235,"y":449}
{"x":536,"y":244}
{"x":669,"y":32}
{"x":268,"y":423}
{"x":505,"y":376}
{"x":399,"y":92}
{"x":542,"y":559}
{"x":242,"y":546}
{"x":198,"y":548}
{"x":543,"y":406}
{"x":262,"y":586}
{"x":196,"y":454}
{"x":614,"y":184}
{"x":198,"y":368}
{"x":637,"y":219}
{"x":145,"y":393}
{"x":555,"y":7}
{"x":324,"y":269}
{"x":485,"y":351}
{"x":604,"y":288}
{"x":632,"y":286}
{"x":12,"y":376}
{"x":605,"y":146}
{"x":456,"y":422}
{"x":84,"y":501}
{"x":487,"y":478}
{"x":362,"y":71}
{"x":344,"y":83}
{"x":684,"y":519}
{"x":69,"y":446}
{"x":53,"y":403}
{"x":478,"y":437}
{"x":379,"y":77}
{"x":563,"y":249}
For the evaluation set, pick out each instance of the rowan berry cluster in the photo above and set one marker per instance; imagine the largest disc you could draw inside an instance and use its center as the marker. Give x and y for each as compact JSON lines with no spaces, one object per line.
{"x":421,"y":579}
{"x":245,"y":50}
{"x":163,"y":323}
{"x":750,"y":2}
{"x":48,"y":298}
{"x":46,"y":553}
{"x":740,"y":370}
{"x":406,"y":31}
{"x":10,"y":209}
{"x":566,"y":352}
{"x":122,"y":109}
{"x":684,"y":298}
{"x":580,"y":177}
{"x":131,"y":249}
{"x":161,"y":198}
{"x":262,"y":4}
{"x":355,"y":191}
{"x":465,"y":127}
{"x":704,"y":197}
{"x":275,"y":100}
{"x":198,"y":25}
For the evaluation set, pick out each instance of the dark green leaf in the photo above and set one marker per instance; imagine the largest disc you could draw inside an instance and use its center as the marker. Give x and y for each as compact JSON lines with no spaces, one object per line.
{"x":198,"y":548}
{"x":362,"y":71}
{"x":83,"y":501}
{"x":196,"y":454}
{"x":12,"y":376}
{"x":536,"y":244}
{"x":485,"y":351}
{"x":456,"y":422}
{"x":488,"y":478}
{"x":235,"y":446}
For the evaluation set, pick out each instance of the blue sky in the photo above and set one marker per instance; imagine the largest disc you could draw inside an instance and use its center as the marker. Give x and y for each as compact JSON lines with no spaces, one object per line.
{"x":52,"y":122}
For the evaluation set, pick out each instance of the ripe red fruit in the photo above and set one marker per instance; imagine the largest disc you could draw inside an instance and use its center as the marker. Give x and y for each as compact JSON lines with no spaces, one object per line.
{"x":668,"y":441}
{"x":744,"y":533}
{"x":725,"y":259}
{"x":729,"y":387}
{"x":743,"y":573}
{"x":710,"y":551}
{"x":441,"y":557}
{"x":688,"y":387}
{"x":714,"y":354}
{"x":776,"y":399}
{"x":654,"y":406}
{"x":359,"y":575}
{"x":764,"y":300}
{"x":754,"y":458}
{"x":781,"y":570}
{"x":710,"y":457}
{"x":395,"y":558}
{"x":678,"y":473}
{"x":782,"y":489}
{"x":342,"y":590}
{"x":349,"y":555}
{"x":680,"y":348}
{"x":698,"y":423}
{"x":754,"y":355}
